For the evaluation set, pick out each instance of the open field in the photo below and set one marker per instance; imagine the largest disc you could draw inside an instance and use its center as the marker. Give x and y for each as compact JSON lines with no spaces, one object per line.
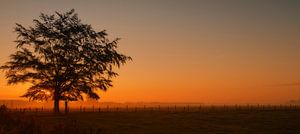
{"x":205,"y":120}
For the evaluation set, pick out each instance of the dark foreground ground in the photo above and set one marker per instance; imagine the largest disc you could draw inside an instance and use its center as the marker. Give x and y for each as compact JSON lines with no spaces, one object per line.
{"x":155,"y":122}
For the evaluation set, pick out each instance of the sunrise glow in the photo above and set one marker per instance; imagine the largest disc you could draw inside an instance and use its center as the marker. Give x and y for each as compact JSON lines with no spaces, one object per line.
{"x":196,"y":51}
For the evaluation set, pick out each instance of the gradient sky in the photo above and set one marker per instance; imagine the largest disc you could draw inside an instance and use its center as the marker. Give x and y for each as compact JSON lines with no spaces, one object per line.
{"x":212,"y":51}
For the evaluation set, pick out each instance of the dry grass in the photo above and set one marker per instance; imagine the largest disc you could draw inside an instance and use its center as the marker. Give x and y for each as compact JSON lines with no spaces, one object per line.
{"x":163,"y":122}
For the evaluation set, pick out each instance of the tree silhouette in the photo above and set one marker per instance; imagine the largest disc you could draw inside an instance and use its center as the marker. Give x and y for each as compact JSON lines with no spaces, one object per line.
{"x":63,"y":59}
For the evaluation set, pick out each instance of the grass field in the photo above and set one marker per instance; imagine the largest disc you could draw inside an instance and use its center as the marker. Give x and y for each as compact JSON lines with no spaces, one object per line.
{"x":163,"y":122}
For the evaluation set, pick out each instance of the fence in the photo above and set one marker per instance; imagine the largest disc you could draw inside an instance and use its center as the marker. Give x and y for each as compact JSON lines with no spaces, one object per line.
{"x":170,"y":108}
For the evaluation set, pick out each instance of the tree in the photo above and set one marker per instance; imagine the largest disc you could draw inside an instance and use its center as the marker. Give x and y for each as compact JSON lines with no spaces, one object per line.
{"x":63,"y":59}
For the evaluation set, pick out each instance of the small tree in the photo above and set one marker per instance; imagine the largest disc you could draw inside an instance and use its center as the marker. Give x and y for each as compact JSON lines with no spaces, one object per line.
{"x":63,"y":59}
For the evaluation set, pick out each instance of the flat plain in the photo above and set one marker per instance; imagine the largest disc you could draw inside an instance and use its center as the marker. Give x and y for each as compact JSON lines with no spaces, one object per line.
{"x":168,"y":122}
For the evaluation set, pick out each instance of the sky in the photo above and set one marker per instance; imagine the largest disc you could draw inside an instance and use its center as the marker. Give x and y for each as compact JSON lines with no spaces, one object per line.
{"x":208,"y":51}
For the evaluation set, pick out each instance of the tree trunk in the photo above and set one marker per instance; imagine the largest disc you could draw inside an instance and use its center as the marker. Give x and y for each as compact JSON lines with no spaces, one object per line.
{"x":66,"y":107}
{"x":56,"y":102}
{"x":56,"y":105}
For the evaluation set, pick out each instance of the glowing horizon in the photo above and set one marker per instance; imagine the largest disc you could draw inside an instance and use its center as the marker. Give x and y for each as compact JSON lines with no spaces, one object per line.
{"x":184,"y":51}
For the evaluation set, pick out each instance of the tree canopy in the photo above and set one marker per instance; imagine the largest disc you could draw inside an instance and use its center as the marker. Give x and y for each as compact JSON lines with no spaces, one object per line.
{"x":63,"y":59}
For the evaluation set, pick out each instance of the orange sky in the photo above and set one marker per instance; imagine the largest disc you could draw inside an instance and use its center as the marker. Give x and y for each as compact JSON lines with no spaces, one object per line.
{"x":184,"y":51}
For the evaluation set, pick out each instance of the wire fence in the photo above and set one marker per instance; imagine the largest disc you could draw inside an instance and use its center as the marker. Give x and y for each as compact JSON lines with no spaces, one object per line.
{"x":169,"y":108}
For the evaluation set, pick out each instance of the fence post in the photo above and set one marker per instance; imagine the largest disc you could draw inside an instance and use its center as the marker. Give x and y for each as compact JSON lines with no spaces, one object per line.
{"x":199,"y":108}
{"x":175,"y":108}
